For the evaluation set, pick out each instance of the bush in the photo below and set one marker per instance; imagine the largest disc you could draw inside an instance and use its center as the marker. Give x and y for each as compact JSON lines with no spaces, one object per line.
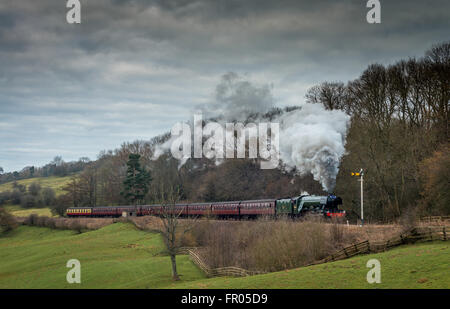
{"x":34,"y":189}
{"x":48,"y":196}
{"x":28,"y":201}
{"x":408,"y":219}
{"x":78,"y":225}
{"x":60,"y":205}
{"x":58,"y":209}
{"x":7,"y":221}
{"x":33,"y":197}
{"x":4,"y":197}
{"x":49,"y":222}
{"x":15,"y":197}
{"x":31,"y":220}
{"x":273,"y":245}
{"x":263,"y":245}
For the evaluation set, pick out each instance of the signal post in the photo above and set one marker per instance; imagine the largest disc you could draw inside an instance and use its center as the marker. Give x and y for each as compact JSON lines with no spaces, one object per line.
{"x":360,"y":174}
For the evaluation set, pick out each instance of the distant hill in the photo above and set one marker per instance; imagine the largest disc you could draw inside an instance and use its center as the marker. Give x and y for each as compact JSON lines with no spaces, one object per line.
{"x":54,"y":182}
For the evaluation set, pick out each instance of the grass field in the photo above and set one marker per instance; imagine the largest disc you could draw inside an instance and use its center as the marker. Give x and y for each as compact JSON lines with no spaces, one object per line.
{"x":56,"y":183}
{"x":425,"y":265}
{"x":116,"y":256}
{"x":18,"y":211}
{"x":120,"y":256}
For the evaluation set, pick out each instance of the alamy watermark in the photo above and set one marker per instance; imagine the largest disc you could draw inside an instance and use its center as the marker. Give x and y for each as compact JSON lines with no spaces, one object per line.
{"x":73,"y":15}
{"x":73,"y":275}
{"x":374,"y":14}
{"x":374,"y":274}
{"x":218,"y":141}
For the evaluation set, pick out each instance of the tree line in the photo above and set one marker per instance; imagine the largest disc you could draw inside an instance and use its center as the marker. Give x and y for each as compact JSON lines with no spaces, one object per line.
{"x":399,"y":135}
{"x":57,"y":167}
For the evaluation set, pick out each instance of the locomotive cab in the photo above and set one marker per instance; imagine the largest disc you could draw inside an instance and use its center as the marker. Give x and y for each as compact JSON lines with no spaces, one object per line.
{"x":333,"y":201}
{"x":332,"y":207}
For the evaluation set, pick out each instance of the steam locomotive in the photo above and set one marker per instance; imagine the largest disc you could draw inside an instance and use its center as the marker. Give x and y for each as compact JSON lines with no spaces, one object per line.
{"x":326,"y":206}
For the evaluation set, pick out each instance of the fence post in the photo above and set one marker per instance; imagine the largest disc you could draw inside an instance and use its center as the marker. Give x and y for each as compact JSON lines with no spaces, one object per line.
{"x":445,"y":235}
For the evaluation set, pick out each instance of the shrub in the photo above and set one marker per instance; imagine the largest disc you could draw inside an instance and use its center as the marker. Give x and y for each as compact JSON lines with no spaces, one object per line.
{"x":78,"y":225}
{"x":7,"y":221}
{"x":34,"y":189}
{"x":408,"y":219}
{"x":273,"y":245}
{"x":31,"y":219}
{"x":75,"y":224}
{"x":4,"y":197}
{"x":15,"y":197}
{"x":28,"y":201}
{"x":60,"y":205}
{"x":48,"y":196}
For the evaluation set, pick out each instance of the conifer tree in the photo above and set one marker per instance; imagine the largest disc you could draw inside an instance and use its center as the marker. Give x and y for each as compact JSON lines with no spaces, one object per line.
{"x":137,"y":181}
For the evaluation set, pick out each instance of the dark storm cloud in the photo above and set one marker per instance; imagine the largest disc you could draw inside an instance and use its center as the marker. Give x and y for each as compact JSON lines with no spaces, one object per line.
{"x":133,"y":67}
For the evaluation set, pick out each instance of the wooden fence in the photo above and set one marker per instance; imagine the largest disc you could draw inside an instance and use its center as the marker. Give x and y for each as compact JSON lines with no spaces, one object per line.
{"x":418,"y":234}
{"x":413,"y":235}
{"x":435,"y":219}
{"x":230,"y":271}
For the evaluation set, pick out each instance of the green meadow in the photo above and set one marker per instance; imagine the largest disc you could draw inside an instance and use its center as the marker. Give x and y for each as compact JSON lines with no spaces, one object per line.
{"x":116,"y":256}
{"x":54,"y":182}
{"x":18,"y":211}
{"x":121,"y":256}
{"x":419,"y":266}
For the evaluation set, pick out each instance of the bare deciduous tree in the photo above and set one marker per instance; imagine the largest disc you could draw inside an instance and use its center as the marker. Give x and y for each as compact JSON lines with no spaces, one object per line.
{"x":173,"y":229}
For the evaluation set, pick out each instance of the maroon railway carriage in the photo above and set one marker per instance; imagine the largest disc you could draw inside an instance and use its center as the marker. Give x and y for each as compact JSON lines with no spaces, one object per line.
{"x":198,"y":209}
{"x":220,"y":209}
{"x":225,"y":208}
{"x":258,"y":207}
{"x":297,"y":206}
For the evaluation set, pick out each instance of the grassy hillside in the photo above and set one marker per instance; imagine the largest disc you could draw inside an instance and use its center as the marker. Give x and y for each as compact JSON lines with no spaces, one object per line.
{"x":425,"y":265}
{"x":116,"y":256}
{"x":56,"y":183}
{"x":120,"y":256}
{"x":18,"y":211}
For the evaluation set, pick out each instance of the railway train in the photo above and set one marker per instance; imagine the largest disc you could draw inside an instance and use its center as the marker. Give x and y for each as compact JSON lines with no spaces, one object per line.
{"x":326,"y":206}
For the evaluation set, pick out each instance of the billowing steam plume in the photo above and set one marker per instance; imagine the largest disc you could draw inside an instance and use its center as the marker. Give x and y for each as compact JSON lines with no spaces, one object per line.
{"x":312,"y":139}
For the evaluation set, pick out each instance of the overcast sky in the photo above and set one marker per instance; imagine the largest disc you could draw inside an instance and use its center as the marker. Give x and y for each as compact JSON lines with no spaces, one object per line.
{"x":134,"y":68}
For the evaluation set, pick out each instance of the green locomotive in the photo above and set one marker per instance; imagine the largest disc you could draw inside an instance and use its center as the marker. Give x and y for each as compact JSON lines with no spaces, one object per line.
{"x":311,"y":205}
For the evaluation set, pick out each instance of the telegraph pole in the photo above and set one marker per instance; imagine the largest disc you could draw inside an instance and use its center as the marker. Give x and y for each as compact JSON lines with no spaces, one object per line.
{"x":361,"y":178}
{"x":362,"y":196}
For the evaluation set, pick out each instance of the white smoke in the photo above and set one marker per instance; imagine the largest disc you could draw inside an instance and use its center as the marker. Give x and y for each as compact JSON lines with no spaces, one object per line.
{"x":236,"y":98}
{"x":312,"y":139}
